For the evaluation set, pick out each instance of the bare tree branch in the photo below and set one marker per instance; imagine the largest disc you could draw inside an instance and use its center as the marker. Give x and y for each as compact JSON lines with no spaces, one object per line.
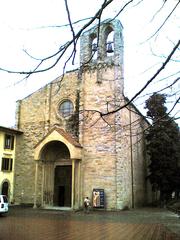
{"x":166,"y":19}
{"x":72,"y":30}
{"x":64,"y":48}
{"x":148,"y":82}
{"x":158,"y":11}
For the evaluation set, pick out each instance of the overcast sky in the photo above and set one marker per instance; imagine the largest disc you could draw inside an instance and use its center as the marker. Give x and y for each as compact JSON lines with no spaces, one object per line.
{"x":27,"y":25}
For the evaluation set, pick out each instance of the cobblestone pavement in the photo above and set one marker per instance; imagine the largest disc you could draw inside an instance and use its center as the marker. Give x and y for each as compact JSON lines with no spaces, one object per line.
{"x":141,"y":224}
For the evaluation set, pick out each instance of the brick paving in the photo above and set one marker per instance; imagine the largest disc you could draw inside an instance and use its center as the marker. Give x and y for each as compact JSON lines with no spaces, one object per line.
{"x":29,"y":224}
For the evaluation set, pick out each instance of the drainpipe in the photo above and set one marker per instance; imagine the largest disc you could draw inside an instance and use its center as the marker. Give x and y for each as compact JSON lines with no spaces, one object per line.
{"x":131,"y":157}
{"x":50,"y":105}
{"x":18,"y":113}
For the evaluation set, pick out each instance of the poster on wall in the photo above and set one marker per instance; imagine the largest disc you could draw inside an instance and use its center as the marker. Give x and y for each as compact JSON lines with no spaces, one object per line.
{"x":98,"y":198}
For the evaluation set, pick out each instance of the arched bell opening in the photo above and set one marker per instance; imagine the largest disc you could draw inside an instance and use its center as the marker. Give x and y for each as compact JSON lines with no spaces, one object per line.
{"x":93,"y":46}
{"x":109,"y":41}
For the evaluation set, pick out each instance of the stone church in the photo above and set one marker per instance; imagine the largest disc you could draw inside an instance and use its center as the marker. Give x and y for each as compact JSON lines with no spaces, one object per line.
{"x":75,"y":143}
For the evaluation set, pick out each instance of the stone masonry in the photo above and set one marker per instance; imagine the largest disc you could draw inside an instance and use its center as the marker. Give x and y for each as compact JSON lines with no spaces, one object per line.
{"x":113,"y":156}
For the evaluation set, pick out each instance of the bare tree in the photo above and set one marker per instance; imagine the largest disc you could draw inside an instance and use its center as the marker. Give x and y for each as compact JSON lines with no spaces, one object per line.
{"x":67,"y":52}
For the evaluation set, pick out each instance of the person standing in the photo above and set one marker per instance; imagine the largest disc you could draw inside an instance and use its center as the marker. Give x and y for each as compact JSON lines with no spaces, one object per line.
{"x":86,"y":204}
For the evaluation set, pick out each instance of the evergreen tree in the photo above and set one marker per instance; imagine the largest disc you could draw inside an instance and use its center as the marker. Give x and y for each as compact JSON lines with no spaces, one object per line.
{"x":163,"y":141}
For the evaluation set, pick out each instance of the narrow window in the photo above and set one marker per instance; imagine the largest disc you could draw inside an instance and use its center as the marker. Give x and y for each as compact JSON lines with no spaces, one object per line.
{"x":110,"y":44}
{"x":9,"y":142}
{"x":94,"y":49}
{"x":5,"y":190}
{"x":7,"y":164}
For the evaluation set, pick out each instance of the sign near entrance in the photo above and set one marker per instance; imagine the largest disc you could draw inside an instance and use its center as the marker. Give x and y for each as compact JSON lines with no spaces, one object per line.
{"x":98,"y":198}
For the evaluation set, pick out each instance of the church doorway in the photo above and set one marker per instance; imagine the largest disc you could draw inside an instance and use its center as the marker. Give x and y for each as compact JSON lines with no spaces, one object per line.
{"x":57,"y":174}
{"x":62,"y":186}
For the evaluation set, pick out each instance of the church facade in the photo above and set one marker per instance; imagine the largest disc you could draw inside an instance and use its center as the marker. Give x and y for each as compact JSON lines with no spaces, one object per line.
{"x":76,"y":141}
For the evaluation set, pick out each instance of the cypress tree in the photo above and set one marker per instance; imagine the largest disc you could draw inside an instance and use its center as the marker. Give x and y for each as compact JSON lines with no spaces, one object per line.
{"x":163,"y":142}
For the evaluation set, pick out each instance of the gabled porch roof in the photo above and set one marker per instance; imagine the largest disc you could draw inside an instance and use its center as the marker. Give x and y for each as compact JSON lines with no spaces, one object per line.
{"x":58,"y":134}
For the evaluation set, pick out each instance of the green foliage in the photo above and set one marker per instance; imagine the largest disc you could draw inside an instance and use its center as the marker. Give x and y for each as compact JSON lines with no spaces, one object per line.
{"x":155,"y":106}
{"x":73,"y":121}
{"x":163,"y":141}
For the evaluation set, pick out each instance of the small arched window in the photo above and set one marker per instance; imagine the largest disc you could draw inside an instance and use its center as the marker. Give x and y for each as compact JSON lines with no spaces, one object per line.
{"x":5,"y":188}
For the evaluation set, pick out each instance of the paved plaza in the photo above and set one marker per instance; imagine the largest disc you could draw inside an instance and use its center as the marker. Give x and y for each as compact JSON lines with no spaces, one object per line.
{"x":141,"y":224}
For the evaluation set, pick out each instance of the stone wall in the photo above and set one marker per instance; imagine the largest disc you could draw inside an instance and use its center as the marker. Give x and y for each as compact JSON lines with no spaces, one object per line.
{"x":112,"y":144}
{"x":36,"y":115}
{"x":99,"y":138}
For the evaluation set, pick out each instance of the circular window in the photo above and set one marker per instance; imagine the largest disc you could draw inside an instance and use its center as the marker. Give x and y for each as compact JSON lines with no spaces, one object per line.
{"x":66,"y":108}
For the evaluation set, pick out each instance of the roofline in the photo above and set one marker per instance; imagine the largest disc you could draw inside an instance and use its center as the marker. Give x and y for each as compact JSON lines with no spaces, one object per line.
{"x":11,"y":130}
{"x":49,"y":83}
{"x":105,"y":21}
{"x":67,"y":136}
{"x":132,"y":104}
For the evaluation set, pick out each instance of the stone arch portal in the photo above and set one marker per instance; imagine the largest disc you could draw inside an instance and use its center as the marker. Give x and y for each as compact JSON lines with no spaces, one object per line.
{"x":60,"y":158}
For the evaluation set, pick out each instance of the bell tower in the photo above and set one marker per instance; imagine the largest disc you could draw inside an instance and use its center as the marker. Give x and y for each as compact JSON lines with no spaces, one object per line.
{"x":102,"y":86}
{"x":102,"y":48}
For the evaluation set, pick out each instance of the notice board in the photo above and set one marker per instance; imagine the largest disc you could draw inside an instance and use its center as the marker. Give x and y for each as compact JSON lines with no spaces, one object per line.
{"x":98,"y":198}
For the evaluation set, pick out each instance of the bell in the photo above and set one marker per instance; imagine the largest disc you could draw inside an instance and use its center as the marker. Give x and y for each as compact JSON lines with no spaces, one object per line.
{"x":109,"y":48}
{"x":94,"y":47}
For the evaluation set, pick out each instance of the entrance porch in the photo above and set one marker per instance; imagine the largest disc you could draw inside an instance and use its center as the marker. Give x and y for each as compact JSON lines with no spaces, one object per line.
{"x":60,"y":162}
